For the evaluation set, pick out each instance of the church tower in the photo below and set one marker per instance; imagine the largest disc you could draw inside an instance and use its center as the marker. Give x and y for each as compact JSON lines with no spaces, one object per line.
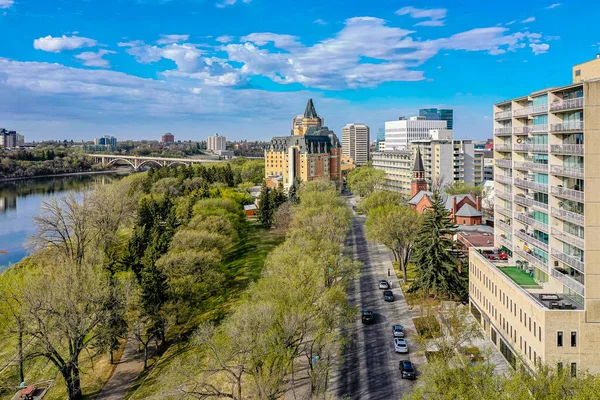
{"x":418,"y":182}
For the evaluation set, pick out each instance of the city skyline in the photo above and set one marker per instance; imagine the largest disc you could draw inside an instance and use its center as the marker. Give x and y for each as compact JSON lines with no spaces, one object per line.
{"x":81,"y":70}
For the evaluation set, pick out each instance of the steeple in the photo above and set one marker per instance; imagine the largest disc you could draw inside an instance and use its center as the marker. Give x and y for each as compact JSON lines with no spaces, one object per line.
{"x":418,"y":182}
{"x":310,"y":111}
{"x":418,"y":162}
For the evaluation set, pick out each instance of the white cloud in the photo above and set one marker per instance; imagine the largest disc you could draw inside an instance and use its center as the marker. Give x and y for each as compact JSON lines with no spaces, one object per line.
{"x":224,"y":39}
{"x":94,"y":59}
{"x":551,"y":6}
{"x":227,"y":3}
{"x":510,"y":23}
{"x":186,"y":56}
{"x":169,"y":39}
{"x":6,"y":3}
{"x":539,"y":48}
{"x":527,"y":20}
{"x":435,"y":16}
{"x":281,"y":41}
{"x":58,"y":44}
{"x":319,"y":21}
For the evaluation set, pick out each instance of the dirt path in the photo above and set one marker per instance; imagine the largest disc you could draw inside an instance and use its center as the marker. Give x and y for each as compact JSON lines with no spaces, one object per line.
{"x":128,"y":369}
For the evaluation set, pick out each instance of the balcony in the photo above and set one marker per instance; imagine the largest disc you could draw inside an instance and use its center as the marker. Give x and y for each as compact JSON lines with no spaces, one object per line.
{"x":540,"y":263}
{"x":523,"y":111}
{"x":503,"y":147}
{"x":567,"y":280}
{"x":503,"y":131}
{"x":504,"y":226}
{"x":530,"y":239}
{"x":539,"y":187}
{"x":541,"y":109}
{"x":568,"y":216}
{"x":521,"y":130}
{"x":535,"y":148}
{"x":531,"y":166}
{"x":507,"y":180}
{"x":570,"y":194}
{"x":567,"y":149}
{"x":503,"y":195}
{"x":567,"y":126}
{"x":504,"y":211}
{"x":503,"y":114}
{"x":541,"y":128}
{"x":504,"y":242}
{"x":567,"y":104}
{"x":523,"y":201}
{"x":567,"y":171}
{"x":503,"y":163}
{"x":568,"y":238}
{"x":530,"y":221}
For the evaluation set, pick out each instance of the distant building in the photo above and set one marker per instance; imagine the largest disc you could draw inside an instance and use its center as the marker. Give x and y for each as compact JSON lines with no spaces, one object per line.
{"x":106,"y":141}
{"x":167,"y":138}
{"x":225,"y":154}
{"x":8,"y":139}
{"x":216,"y":143}
{"x":20,"y":140}
{"x":397,"y":166}
{"x":355,"y":143}
{"x":399,"y":134}
{"x":311,"y":152}
{"x":439,"y":114}
{"x":380,"y":139}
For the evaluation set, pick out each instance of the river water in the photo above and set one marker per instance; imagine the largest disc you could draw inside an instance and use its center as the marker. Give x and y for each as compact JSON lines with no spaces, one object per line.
{"x":21,"y":200}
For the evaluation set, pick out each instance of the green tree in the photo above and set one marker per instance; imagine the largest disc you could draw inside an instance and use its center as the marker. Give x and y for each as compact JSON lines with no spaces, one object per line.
{"x":463,"y":188}
{"x":293,"y":191}
{"x":395,"y":227}
{"x":266,"y":207}
{"x":381,"y":198}
{"x":279,"y":196}
{"x":434,"y":254}
{"x":363,"y":180}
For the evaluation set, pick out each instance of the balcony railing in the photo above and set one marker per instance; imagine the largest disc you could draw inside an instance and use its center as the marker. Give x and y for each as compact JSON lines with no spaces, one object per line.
{"x":530,"y":239}
{"x":523,"y":201}
{"x":504,"y":211}
{"x":542,"y":108}
{"x":567,"y":126}
{"x":507,"y":180}
{"x":567,"y":280}
{"x":539,"y":187}
{"x":503,"y":131}
{"x":503,"y":114}
{"x":567,"y":104}
{"x":568,"y":216}
{"x":522,"y":111}
{"x":504,"y":242}
{"x":567,"y":259}
{"x":503,"y":195}
{"x":536,"y":148}
{"x":503,"y":163}
{"x":569,"y":194}
{"x":541,"y":264}
{"x":527,"y":220}
{"x":503,"y":147}
{"x":521,"y":130}
{"x":506,"y":227}
{"x":568,"y":149}
{"x":531,"y":166}
{"x":567,"y":171}
{"x":539,"y":128}
{"x":568,"y":238}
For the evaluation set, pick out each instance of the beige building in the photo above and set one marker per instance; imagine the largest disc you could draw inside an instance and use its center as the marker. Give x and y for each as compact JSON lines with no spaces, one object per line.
{"x":216,"y":143}
{"x":543,"y":305}
{"x":355,"y":143}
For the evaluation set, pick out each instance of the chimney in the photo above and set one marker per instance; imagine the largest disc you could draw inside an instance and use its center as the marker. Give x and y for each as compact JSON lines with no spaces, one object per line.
{"x":453,"y":206}
{"x":478,"y":203}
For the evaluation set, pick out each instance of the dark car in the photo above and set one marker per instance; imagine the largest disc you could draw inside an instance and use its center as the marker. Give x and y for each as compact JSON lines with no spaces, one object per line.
{"x":388,"y":295}
{"x":368,"y":317}
{"x":407,"y":370}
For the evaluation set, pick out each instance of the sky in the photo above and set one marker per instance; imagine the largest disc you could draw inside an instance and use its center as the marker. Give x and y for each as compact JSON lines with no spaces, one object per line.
{"x":78,"y":69}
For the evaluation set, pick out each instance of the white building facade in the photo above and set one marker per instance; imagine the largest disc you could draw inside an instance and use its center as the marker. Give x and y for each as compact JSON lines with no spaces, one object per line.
{"x":355,"y":143}
{"x":216,"y":143}
{"x":399,"y":134}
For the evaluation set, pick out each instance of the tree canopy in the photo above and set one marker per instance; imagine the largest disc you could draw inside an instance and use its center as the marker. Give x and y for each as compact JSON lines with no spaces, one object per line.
{"x":363,"y":180}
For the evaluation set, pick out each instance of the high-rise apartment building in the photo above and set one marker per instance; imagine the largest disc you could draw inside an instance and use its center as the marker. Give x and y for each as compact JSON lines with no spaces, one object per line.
{"x":398,"y":168}
{"x":106,"y":141}
{"x":355,"y":143}
{"x":438,"y":114}
{"x":447,"y":160}
{"x":543,"y":305}
{"x":216,"y":143}
{"x":399,"y":134}
{"x":8,"y":139}
{"x":312,"y":151}
{"x":167,"y":138}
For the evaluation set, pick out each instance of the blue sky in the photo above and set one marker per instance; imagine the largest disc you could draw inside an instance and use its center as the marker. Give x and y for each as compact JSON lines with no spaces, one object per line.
{"x":243,"y":68}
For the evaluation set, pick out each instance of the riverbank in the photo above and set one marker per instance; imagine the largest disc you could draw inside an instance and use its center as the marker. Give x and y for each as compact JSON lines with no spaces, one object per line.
{"x":120,"y":171}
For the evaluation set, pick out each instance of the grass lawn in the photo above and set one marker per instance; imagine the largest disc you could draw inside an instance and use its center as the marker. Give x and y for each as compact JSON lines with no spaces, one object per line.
{"x":242,"y":266}
{"x":520,"y":277}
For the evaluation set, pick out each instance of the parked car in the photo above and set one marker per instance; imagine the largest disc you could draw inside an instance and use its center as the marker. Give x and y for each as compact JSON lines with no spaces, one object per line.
{"x":400,"y":345}
{"x":368,"y":317}
{"x":398,"y":331}
{"x":383,"y":284}
{"x":495,"y":255}
{"x":388,"y":295}
{"x":407,"y":370}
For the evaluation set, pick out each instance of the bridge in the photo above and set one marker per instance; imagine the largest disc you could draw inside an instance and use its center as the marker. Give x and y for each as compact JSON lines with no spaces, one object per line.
{"x":138,"y":162}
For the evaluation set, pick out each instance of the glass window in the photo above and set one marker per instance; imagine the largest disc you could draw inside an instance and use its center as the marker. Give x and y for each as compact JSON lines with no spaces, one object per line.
{"x":559,"y":339}
{"x":574,"y":370}
{"x":573,"y":339}
{"x":540,"y":101}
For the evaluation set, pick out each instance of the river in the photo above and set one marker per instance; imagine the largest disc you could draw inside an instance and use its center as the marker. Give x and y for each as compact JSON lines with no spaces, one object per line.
{"x":21,"y":200}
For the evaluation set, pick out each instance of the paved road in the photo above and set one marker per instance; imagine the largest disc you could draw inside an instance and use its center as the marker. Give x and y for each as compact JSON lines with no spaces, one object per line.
{"x":370,"y":367}
{"x":125,"y":374}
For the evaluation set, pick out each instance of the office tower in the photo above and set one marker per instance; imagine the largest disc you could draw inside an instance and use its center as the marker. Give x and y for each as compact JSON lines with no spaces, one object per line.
{"x":106,"y":141}
{"x":312,"y":151}
{"x":167,"y":138}
{"x":216,"y":143}
{"x":441,"y":114}
{"x":543,"y":304}
{"x":399,"y":134}
{"x":380,"y":139}
{"x":355,"y":143}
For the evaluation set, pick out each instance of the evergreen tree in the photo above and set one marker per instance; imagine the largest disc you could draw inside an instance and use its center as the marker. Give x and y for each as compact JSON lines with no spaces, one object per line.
{"x":434,"y":254}
{"x":293,"y":192}
{"x":279,"y":196}
{"x":266,"y":208}
{"x":155,"y":292}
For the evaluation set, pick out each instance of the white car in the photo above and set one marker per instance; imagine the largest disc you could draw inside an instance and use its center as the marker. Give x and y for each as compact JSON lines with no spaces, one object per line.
{"x":383,"y":284}
{"x":400,"y":345}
